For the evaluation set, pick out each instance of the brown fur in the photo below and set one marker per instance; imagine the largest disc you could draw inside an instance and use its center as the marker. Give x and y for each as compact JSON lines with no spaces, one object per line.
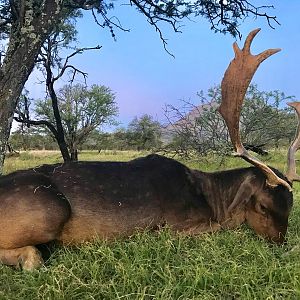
{"x":77,"y":202}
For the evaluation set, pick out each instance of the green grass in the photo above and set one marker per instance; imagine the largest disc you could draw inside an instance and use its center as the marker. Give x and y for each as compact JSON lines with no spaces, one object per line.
{"x":32,"y":159}
{"x":226,"y":265}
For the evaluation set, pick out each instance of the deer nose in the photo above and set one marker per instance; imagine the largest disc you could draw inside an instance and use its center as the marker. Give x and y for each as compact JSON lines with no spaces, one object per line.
{"x":279,"y":240}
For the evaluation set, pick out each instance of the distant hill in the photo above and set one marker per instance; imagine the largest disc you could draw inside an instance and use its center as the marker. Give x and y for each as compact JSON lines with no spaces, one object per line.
{"x":188,"y":120}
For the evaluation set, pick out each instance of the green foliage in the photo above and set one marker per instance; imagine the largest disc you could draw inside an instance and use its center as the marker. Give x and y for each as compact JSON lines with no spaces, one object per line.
{"x":223,"y":16}
{"x":200,"y":130}
{"x":31,"y":139}
{"x":26,"y":25}
{"x":266,"y":120}
{"x":63,"y":36}
{"x":117,"y":140}
{"x":141,"y":134}
{"x":144,"y":133}
{"x":82,"y":110}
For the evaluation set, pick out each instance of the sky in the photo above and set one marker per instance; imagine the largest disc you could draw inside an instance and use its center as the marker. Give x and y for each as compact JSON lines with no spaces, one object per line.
{"x":144,"y":77}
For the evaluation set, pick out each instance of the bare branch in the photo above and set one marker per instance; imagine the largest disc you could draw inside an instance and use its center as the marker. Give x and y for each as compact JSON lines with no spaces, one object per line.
{"x":153,"y":19}
{"x":108,"y":23}
{"x":37,"y":123}
{"x":66,"y":66}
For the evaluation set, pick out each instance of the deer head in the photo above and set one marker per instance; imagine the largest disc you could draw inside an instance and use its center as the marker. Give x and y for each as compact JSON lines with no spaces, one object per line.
{"x":234,"y":86}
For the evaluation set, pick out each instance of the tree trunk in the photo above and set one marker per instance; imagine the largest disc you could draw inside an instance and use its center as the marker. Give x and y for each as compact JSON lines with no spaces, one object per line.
{"x":60,"y":136}
{"x":12,"y":80}
{"x":26,"y":38}
{"x":73,"y":148}
{"x":74,"y":155}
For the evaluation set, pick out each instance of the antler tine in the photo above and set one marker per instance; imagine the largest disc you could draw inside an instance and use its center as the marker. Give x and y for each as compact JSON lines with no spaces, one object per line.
{"x":233,"y":89}
{"x":295,"y":145}
{"x":249,"y":40}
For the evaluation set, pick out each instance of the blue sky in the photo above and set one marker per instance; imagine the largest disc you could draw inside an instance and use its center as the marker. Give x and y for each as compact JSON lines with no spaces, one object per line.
{"x":145,"y":77}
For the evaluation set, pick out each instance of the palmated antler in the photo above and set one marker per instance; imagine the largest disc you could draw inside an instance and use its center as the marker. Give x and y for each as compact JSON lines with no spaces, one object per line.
{"x":234,"y":86}
{"x":291,"y":163}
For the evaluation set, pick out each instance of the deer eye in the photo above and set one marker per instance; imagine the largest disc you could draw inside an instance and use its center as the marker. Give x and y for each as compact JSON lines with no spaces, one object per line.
{"x":262,"y":209}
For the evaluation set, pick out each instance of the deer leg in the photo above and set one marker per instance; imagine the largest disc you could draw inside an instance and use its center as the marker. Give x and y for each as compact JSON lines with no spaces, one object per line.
{"x":203,"y":228}
{"x":28,"y":258}
{"x":32,"y":212}
{"x":190,"y":227}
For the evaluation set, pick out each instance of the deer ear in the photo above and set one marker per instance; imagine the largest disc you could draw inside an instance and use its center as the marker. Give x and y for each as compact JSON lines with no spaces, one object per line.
{"x":244,"y":193}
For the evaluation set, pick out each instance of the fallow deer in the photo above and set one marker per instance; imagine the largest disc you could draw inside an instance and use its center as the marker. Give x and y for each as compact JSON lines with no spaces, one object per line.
{"x":77,"y":202}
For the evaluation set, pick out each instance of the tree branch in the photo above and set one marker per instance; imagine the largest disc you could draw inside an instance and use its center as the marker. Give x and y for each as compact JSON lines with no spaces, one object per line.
{"x":66,"y":66}
{"x":49,"y":125}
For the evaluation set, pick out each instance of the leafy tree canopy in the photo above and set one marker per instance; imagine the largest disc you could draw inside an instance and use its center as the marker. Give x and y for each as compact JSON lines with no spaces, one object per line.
{"x":144,"y":133}
{"x":82,"y":111}
{"x":223,"y":15}
{"x":26,"y":24}
{"x":199,"y":129}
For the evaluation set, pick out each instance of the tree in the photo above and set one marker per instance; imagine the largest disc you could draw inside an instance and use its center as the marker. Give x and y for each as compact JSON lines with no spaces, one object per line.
{"x":49,"y":59}
{"x":201,"y":129}
{"x":117,"y":140}
{"x":32,"y":138}
{"x":25,"y":25}
{"x":144,"y":133}
{"x":82,"y":110}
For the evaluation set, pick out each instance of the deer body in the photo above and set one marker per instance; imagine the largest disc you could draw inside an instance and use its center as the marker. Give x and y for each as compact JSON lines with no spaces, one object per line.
{"x":111,"y":199}
{"x":79,"y":202}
